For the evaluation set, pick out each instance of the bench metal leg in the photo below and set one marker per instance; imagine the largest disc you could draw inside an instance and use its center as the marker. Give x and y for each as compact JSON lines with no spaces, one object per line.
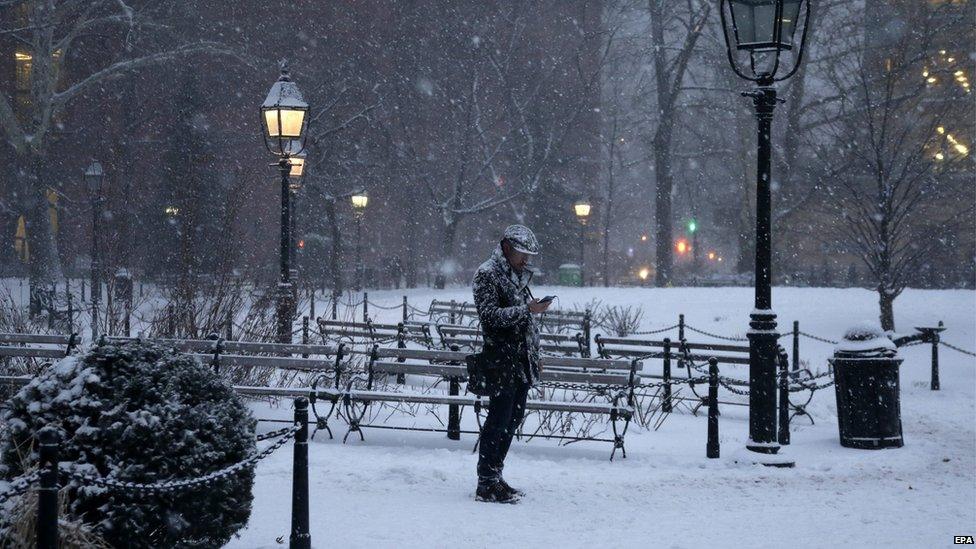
{"x":354,"y":420}
{"x":477,"y":417}
{"x":618,"y":437}
{"x":454,"y":412}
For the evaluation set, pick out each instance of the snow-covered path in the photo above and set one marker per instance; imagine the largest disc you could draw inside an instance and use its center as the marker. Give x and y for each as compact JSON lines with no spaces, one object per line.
{"x":411,"y":489}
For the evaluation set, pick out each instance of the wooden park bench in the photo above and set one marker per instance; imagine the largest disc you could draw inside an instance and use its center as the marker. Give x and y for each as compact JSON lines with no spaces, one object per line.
{"x":469,"y":338}
{"x":371,"y":333}
{"x":683,"y":360}
{"x":35,"y":350}
{"x":615,"y":380}
{"x":453,"y":313}
{"x":679,"y":360}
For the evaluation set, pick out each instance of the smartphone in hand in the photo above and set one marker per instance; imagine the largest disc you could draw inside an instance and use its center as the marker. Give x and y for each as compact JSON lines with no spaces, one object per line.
{"x":547,"y":299}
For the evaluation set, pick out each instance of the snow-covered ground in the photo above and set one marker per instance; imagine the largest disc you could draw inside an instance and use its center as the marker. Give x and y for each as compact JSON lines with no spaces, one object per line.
{"x":413,"y":489}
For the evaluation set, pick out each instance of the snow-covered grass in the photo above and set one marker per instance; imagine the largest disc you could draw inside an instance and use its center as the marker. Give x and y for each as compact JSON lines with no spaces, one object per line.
{"x":411,"y":489}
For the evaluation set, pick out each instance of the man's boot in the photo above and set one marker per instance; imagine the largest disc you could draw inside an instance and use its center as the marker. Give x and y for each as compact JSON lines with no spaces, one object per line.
{"x":495,"y":492}
{"x":514,"y":491}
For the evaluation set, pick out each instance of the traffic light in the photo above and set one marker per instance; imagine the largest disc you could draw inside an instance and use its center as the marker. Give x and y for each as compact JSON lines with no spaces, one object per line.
{"x":682,"y":246}
{"x":692,"y":226}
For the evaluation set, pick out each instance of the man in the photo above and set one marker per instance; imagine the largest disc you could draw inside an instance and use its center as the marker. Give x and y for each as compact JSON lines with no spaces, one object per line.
{"x":511,"y":345}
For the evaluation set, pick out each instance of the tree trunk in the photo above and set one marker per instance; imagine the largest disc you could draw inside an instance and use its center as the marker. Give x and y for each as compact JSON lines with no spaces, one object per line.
{"x":886,"y":300}
{"x":45,"y":263}
{"x":447,"y":253}
{"x":662,"y":204}
{"x":335,"y":255}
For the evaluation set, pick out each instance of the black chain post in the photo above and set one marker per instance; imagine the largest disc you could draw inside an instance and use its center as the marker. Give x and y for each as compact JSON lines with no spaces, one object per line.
{"x":666,"y":404}
{"x":796,"y":345}
{"x":783,"y":436}
{"x":586,"y":332}
{"x":454,"y":412}
{"x":300,"y":537}
{"x":47,"y":493}
{"x":311,"y":303}
{"x":681,"y":327}
{"x":304,"y":334}
{"x":450,"y":315}
{"x":712,"y":448}
{"x":365,"y":307}
{"x":934,"y":386}
{"x":128,"y":317}
{"x":404,"y":308}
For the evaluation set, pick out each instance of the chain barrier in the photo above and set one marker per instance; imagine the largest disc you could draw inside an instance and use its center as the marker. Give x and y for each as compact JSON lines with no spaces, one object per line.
{"x":957,"y":349}
{"x":818,"y":338}
{"x":19,"y":486}
{"x":381,"y":307}
{"x":662,"y":330}
{"x":274,"y":434}
{"x":173,"y":485}
{"x":716,"y":336}
{"x":607,"y":389}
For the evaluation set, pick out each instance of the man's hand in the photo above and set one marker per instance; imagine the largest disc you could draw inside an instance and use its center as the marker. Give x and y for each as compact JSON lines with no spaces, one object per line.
{"x":536,"y":306}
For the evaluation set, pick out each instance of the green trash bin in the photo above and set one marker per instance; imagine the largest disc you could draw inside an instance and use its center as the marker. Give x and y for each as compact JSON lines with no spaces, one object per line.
{"x":570,"y":274}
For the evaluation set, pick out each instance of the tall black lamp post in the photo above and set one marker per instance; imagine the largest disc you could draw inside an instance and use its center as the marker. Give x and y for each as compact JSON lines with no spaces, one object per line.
{"x":359,"y":202}
{"x":764,"y":29}
{"x":582,"y":209}
{"x":285,"y":123}
{"x":94,"y":177}
{"x":295,"y":186}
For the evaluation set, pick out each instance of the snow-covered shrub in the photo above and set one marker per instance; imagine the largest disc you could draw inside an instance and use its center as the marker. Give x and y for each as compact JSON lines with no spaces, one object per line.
{"x":139,"y":413}
{"x":622,"y":320}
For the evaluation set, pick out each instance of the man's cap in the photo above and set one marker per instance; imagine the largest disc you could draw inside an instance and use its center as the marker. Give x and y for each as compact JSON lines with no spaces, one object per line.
{"x":522,"y":239}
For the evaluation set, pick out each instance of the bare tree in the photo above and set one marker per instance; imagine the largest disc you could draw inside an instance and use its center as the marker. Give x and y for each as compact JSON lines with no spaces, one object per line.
{"x":675,"y":30}
{"x":60,"y":70}
{"x":896,"y":171}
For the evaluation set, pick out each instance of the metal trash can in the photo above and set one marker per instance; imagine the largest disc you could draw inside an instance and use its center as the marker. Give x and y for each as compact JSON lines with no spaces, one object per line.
{"x":865,"y":366}
{"x":570,"y":274}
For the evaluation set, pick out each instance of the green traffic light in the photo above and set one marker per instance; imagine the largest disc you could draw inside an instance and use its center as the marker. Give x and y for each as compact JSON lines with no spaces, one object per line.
{"x":692,"y":226}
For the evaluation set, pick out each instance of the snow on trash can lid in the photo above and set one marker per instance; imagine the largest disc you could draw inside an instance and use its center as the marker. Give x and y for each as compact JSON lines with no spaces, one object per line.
{"x":865,"y":340}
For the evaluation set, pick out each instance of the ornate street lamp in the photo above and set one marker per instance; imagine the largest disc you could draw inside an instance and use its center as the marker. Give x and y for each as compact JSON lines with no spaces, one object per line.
{"x":94,"y":177}
{"x":765,"y":29}
{"x":582,"y":209}
{"x":284,"y":116}
{"x":359,"y":202}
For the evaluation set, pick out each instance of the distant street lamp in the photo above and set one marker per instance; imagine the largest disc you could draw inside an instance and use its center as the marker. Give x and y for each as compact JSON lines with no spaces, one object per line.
{"x":765,"y":29}
{"x":359,"y":202}
{"x":582,"y":209}
{"x":94,"y":178}
{"x":284,"y":114}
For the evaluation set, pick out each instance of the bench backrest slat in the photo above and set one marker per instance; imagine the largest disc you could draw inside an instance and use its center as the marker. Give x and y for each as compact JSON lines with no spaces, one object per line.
{"x":34,"y":352}
{"x":304,"y":364}
{"x":588,"y":363}
{"x":421,"y":354}
{"x":51,"y":339}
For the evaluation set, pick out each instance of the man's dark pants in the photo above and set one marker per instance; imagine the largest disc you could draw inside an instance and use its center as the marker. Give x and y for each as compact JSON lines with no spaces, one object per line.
{"x":505,"y":413}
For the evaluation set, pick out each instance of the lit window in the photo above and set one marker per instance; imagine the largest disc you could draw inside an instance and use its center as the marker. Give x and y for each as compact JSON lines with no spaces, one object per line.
{"x":22,"y":70}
